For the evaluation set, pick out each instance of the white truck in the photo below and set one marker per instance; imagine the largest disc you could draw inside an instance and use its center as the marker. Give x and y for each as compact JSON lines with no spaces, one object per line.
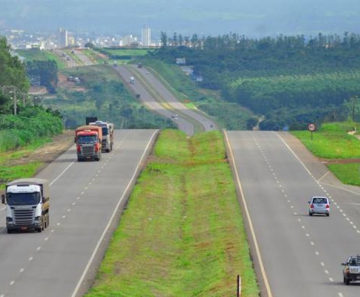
{"x":351,"y":270}
{"x":107,"y":135}
{"x":27,"y":204}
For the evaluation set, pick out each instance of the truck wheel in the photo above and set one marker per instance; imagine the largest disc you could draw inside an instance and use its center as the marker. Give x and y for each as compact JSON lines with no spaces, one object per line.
{"x":346,"y":281}
{"x":9,"y":231}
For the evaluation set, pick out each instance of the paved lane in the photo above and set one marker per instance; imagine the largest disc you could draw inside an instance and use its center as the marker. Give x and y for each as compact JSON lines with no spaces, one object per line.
{"x":298,"y":255}
{"x":86,"y":200}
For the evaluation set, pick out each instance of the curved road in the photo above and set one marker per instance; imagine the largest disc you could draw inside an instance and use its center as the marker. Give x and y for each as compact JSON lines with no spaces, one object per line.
{"x":86,"y":200}
{"x":295,"y":254}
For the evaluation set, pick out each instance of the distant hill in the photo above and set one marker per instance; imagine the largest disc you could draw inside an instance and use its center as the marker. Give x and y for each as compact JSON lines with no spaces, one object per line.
{"x":212,"y":17}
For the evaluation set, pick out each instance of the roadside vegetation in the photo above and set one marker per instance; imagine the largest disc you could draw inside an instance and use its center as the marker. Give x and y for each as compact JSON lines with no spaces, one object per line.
{"x":336,"y":144}
{"x":125,"y":54}
{"x":228,"y":115}
{"x":103,"y":94}
{"x":182,"y":232}
{"x":21,"y":134}
{"x":287,"y":81}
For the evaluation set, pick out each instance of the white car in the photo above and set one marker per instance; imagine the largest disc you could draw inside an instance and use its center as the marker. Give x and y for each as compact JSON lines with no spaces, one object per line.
{"x":319,"y":205}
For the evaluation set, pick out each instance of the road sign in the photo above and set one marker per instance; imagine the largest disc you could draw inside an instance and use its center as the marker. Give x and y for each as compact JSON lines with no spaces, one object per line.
{"x":311,"y":127}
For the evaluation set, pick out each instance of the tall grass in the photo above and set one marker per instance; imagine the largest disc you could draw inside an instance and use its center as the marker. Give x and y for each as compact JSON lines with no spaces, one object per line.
{"x":182,"y":233}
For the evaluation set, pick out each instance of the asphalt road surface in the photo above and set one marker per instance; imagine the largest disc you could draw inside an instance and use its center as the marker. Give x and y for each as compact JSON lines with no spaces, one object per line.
{"x":151,"y":90}
{"x":295,"y":254}
{"x":86,"y":200}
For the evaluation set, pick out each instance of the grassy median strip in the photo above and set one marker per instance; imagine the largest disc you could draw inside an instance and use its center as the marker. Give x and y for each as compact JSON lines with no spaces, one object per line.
{"x":182,"y":233}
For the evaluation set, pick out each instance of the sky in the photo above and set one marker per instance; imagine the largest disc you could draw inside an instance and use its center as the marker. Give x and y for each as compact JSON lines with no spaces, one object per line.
{"x":252,"y":18}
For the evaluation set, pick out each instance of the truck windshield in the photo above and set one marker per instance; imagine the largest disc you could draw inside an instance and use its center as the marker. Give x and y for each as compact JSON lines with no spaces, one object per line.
{"x":86,"y":139}
{"x":23,"y":198}
{"x":105,"y":131}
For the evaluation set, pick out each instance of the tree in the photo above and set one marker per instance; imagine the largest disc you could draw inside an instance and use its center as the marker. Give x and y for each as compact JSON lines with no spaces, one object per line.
{"x":164,"y":40}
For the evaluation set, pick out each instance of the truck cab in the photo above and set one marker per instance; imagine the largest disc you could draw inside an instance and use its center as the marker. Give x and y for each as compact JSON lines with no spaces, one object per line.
{"x":27,"y":205}
{"x":88,"y":145}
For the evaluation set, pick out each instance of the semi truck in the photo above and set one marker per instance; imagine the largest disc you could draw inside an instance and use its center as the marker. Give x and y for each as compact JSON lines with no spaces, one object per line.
{"x":27,"y":203}
{"x":107,"y":135}
{"x":88,"y":141}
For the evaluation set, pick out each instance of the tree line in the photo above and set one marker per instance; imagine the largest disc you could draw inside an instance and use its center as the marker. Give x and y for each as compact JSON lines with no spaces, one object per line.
{"x":30,"y":122}
{"x":287,"y":80}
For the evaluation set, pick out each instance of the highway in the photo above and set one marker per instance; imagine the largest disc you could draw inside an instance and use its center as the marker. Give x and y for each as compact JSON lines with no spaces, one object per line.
{"x":295,"y":254}
{"x":155,"y":96}
{"x":86,"y":201}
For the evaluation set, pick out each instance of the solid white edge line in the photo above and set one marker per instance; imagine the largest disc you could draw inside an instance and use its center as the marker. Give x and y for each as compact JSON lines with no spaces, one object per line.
{"x":61,"y":173}
{"x":111,"y":219}
{"x":3,"y":208}
{"x":257,"y":249}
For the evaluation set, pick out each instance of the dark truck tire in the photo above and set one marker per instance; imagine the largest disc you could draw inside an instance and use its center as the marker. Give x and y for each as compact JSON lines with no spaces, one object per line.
{"x":346,"y":281}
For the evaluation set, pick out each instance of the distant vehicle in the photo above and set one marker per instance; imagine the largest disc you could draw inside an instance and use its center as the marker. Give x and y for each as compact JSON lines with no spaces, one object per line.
{"x":132,"y":80}
{"x":319,"y":205}
{"x":351,"y":270}
{"x":140,"y":65}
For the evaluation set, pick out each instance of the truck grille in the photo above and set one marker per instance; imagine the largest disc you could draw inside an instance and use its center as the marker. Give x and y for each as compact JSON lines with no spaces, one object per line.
{"x":88,"y":151}
{"x":24,"y":216}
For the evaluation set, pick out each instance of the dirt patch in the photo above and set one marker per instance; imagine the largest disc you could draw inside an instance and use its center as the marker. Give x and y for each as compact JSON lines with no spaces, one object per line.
{"x":49,"y":151}
{"x":338,"y":161}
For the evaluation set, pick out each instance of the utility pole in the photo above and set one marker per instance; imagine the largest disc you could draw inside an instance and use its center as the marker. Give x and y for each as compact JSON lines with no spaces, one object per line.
{"x":14,"y":91}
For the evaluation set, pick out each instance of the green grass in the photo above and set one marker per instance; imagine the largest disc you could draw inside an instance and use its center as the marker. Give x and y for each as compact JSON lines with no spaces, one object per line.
{"x":182,"y":233}
{"x":127,"y":52}
{"x":332,"y":141}
{"x":347,"y":173}
{"x":9,"y":171}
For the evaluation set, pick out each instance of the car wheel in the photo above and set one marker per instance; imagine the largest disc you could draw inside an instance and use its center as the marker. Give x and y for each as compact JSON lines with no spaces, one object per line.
{"x":310,"y":214}
{"x":327,"y":214}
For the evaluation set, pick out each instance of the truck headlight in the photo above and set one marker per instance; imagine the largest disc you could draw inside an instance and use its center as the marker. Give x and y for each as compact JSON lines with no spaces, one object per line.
{"x":37,"y":220}
{"x":9,"y":220}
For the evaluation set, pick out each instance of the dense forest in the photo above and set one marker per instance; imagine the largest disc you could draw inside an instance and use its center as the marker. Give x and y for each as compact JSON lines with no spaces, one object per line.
{"x":288,"y":81}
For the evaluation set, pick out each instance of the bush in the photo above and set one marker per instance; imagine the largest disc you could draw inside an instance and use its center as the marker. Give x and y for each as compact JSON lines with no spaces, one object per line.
{"x":29,"y":125}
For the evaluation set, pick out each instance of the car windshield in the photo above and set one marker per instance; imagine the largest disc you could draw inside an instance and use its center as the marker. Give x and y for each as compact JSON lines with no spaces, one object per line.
{"x":23,"y":198}
{"x":320,"y":200}
{"x":354,"y":262}
{"x":86,"y":139}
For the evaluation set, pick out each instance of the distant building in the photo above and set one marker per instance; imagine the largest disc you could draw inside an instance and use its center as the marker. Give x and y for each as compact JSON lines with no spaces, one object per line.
{"x":146,"y":36}
{"x":128,"y":40}
{"x":180,"y":61}
{"x":62,"y":38}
